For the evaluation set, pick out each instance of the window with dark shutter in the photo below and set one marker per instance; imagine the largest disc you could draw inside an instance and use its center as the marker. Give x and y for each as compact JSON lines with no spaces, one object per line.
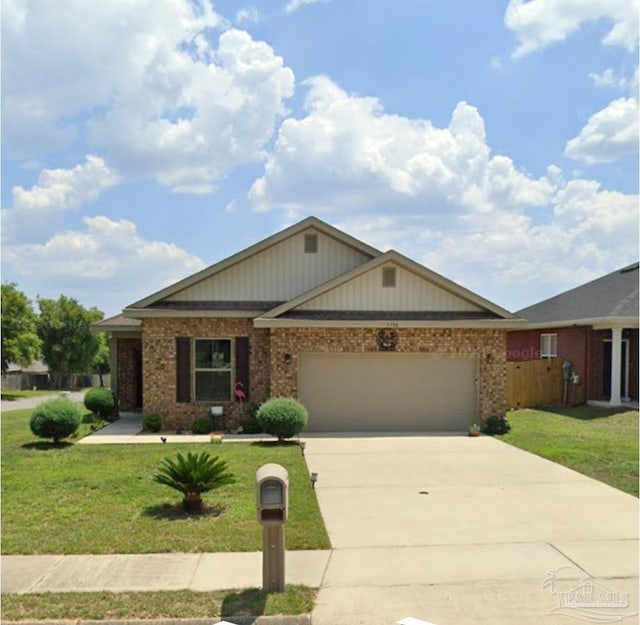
{"x":183,"y":369}
{"x":242,"y":364}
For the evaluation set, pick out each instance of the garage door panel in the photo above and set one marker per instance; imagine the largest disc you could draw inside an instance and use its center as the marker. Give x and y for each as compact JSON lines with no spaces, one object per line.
{"x":384,"y":392}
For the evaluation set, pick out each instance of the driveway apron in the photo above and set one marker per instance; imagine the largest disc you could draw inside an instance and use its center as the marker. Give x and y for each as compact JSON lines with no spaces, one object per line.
{"x":456,"y":530}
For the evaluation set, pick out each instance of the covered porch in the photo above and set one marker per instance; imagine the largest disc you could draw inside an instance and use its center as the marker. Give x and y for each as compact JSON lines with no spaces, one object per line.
{"x":614,"y":361}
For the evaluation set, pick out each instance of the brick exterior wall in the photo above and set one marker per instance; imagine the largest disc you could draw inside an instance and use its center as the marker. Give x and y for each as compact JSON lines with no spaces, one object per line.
{"x":128,"y":377}
{"x":159,"y":366}
{"x":584,"y":348}
{"x":572,"y":346}
{"x":448,"y":342}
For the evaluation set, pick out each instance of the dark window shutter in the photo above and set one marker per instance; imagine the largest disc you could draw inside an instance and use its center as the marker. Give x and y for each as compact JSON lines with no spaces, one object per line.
{"x":183,"y":369}
{"x":242,"y":363}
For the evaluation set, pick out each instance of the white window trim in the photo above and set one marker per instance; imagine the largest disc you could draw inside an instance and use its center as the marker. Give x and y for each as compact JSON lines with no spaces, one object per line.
{"x":552,"y":347}
{"x":194,"y":369}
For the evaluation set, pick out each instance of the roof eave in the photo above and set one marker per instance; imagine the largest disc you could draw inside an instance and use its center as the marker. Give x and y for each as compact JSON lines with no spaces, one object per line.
{"x":598,"y":323}
{"x":484,"y":324}
{"x":147,"y":313}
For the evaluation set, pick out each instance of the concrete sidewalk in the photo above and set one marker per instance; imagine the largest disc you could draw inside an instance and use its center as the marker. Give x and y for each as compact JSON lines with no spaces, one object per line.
{"x":151,"y":572}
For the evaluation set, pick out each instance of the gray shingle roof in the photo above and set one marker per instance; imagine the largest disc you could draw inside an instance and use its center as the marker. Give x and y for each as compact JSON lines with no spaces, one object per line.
{"x":116,"y":321}
{"x":613,"y":295}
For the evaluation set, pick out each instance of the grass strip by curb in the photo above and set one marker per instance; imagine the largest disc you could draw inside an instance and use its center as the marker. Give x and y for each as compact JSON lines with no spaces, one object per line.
{"x":176,"y":604}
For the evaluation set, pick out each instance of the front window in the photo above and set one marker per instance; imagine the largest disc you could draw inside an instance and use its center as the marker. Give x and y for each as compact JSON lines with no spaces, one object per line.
{"x":548,"y":345}
{"x":213,"y":369}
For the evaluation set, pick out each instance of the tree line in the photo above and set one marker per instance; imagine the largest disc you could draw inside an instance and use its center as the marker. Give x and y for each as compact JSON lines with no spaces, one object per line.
{"x":59,"y":333}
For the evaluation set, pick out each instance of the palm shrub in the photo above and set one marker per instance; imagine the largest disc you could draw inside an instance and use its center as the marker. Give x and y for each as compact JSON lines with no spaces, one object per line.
{"x":55,"y":418}
{"x":101,"y":402}
{"x":283,"y":417}
{"x":193,"y":475}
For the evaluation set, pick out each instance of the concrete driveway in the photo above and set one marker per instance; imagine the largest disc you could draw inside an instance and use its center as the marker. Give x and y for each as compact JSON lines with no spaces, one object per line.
{"x":456,"y":530}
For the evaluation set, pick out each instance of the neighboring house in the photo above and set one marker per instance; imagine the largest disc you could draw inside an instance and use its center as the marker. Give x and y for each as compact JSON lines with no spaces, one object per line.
{"x":18,"y":378}
{"x":595,"y":328}
{"x":366,"y":340}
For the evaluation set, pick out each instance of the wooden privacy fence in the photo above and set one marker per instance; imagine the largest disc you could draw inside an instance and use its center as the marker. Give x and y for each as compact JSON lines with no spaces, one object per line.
{"x":534,"y":382}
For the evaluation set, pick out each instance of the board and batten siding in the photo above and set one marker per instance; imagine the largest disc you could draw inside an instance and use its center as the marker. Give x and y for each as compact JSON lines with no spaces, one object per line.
{"x":366,"y":292}
{"x":280,"y":272}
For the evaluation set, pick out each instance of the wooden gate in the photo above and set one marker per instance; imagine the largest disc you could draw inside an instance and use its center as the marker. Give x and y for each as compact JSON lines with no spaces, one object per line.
{"x":534,"y":383}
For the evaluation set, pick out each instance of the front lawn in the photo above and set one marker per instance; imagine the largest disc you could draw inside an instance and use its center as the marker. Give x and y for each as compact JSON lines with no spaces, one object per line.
{"x":178,"y":604}
{"x":101,"y":499}
{"x":597,"y":442}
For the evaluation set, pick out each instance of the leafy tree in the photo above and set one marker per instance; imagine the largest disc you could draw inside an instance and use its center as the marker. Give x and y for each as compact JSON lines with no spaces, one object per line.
{"x":20,"y":343}
{"x":68,"y":345}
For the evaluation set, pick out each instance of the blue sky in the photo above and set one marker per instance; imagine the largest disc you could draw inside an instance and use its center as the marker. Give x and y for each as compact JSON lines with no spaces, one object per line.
{"x":494,"y":142}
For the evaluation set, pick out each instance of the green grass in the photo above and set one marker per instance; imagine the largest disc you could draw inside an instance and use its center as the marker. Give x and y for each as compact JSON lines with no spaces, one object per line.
{"x":100,"y":499}
{"x":156,"y":605}
{"x":597,"y":442}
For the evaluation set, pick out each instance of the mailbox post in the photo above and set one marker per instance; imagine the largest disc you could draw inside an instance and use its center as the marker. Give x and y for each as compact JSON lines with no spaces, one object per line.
{"x":272,"y":493}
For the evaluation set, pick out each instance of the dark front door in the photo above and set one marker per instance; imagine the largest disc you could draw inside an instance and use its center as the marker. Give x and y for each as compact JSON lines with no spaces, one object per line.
{"x":606,"y":369}
{"x":138,"y":377}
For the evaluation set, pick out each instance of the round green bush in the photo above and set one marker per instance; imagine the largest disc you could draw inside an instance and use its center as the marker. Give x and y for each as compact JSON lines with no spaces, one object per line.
{"x":101,"y":402}
{"x":56,"y":419}
{"x":202,"y":425}
{"x":283,"y":417}
{"x":152,"y":422}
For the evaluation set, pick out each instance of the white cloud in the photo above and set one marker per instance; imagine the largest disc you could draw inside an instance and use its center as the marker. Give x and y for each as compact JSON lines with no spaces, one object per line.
{"x":106,"y":261}
{"x":610,"y":134}
{"x":348,"y":151}
{"x":57,"y":191}
{"x":294,"y":5}
{"x":441,"y":196}
{"x":62,"y":189}
{"x":248,"y":15}
{"x":148,"y":82}
{"x":610,"y":79}
{"x":541,"y":23}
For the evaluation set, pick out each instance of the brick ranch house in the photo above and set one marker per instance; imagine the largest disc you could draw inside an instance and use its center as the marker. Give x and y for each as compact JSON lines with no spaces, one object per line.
{"x":366,"y":340}
{"x":594,"y":327}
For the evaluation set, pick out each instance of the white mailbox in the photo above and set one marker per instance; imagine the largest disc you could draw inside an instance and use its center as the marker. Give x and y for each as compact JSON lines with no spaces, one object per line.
{"x":272,"y":492}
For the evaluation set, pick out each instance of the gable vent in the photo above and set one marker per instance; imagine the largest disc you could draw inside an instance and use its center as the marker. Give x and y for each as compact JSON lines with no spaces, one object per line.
{"x":388,"y":276}
{"x":310,"y":243}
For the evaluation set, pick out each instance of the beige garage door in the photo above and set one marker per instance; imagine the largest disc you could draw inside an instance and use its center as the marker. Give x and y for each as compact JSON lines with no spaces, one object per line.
{"x":386,"y":392}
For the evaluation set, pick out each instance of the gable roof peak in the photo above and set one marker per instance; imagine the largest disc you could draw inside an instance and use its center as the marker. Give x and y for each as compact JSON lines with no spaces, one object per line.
{"x":308,"y":222}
